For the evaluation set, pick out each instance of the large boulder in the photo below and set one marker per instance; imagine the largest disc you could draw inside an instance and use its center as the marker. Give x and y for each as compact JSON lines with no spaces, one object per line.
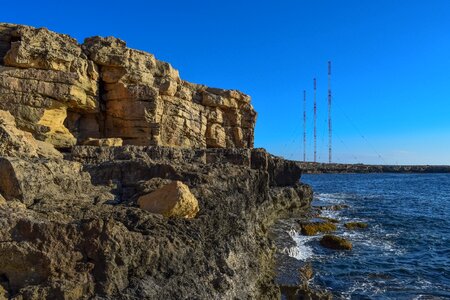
{"x":172,"y":200}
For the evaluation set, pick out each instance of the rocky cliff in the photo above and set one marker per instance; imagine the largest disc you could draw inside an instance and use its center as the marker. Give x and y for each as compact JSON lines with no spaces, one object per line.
{"x":71,"y":228}
{"x":80,"y":224}
{"x":66,"y":93}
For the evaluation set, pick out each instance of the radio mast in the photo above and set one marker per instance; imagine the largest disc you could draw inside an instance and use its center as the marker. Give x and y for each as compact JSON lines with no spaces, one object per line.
{"x":330,"y":129}
{"x":304,"y":126}
{"x":315,"y":120}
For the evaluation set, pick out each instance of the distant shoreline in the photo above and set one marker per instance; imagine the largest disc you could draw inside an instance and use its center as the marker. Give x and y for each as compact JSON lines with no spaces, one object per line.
{"x":321,"y":168}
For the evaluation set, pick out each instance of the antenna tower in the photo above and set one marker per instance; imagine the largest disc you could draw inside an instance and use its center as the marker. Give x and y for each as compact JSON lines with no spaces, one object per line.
{"x":315,"y":121}
{"x":304,"y":126}
{"x":330,"y":129}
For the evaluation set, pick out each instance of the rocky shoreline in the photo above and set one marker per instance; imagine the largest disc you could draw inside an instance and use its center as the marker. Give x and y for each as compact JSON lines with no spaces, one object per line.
{"x":92,"y":241}
{"x":120,"y":180}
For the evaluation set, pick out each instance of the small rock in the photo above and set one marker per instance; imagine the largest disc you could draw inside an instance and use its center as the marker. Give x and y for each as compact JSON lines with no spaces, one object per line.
{"x":355,"y":225}
{"x":335,"y":242}
{"x":172,"y":200}
{"x":316,"y":227}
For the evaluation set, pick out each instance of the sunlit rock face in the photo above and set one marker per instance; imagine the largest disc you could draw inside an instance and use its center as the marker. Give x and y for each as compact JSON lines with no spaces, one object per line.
{"x":119,"y":180}
{"x":44,"y":77}
{"x":65,"y":93}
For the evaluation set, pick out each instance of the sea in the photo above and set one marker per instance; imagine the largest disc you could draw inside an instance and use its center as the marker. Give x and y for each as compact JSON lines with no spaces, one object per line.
{"x":405,"y":251}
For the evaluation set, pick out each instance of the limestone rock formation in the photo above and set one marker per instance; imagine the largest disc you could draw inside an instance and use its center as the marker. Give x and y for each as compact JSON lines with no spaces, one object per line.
{"x":71,"y":226}
{"x":45,"y":76}
{"x":65,"y":93}
{"x":17,"y":143}
{"x":83,"y":243}
{"x":27,"y":178}
{"x":31,"y":181}
{"x":172,"y":200}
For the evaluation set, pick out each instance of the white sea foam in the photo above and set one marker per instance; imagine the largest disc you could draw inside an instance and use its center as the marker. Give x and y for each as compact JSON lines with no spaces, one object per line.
{"x":333,"y":214}
{"x":334,"y":198}
{"x":387,"y":247}
{"x":428,"y":297}
{"x":301,"y":250}
{"x":367,"y":286}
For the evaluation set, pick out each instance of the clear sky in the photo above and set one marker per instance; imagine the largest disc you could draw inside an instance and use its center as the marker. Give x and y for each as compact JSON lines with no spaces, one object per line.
{"x":391,"y":64}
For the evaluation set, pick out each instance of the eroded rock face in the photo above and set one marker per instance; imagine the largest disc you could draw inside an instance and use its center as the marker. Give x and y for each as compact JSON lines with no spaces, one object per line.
{"x":71,"y":226}
{"x":44,"y":77}
{"x":65,"y":93}
{"x":82,"y":243}
{"x":31,"y":181}
{"x":18,"y":143}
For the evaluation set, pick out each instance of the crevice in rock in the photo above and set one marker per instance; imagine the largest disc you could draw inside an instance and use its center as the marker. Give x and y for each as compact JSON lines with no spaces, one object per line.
{"x":5,"y":41}
{"x":101,"y":117}
{"x":4,"y":283}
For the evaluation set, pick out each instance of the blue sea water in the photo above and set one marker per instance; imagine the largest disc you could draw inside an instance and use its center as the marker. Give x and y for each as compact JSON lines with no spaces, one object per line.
{"x":405,"y":251}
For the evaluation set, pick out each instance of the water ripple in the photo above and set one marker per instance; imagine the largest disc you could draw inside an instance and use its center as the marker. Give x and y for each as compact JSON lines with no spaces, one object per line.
{"x":404,"y":254}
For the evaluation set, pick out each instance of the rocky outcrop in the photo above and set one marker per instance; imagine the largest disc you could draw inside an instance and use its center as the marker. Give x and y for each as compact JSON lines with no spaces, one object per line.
{"x":83,"y":223}
{"x":17,"y":143}
{"x":45,"y":76}
{"x":144,"y":95}
{"x":82,"y":244}
{"x":46,"y":181}
{"x":335,"y":242}
{"x":312,"y":228}
{"x":65,"y":93}
{"x":355,"y":225}
{"x":76,"y":221}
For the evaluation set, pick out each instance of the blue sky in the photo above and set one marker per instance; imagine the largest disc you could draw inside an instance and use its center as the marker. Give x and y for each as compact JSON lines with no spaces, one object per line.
{"x":391,"y":64}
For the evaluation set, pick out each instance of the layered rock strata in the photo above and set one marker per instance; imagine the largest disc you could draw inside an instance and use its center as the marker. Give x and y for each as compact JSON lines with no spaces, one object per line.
{"x":70,"y":224}
{"x":65,"y":93}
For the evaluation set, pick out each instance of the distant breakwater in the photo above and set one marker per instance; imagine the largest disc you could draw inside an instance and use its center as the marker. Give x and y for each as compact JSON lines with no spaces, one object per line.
{"x":318,"y":168}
